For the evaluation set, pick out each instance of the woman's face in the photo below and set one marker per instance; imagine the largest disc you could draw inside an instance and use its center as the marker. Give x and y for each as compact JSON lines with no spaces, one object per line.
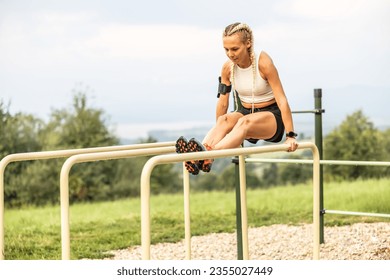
{"x":236,"y":50}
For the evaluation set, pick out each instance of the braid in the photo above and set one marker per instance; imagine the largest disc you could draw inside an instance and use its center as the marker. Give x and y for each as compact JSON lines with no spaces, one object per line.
{"x":246,"y":34}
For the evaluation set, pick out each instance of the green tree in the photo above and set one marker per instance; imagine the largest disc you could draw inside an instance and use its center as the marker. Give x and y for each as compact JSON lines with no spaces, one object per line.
{"x":19,"y":133}
{"x":164,"y":179}
{"x":355,"y":139}
{"x":83,"y":127}
{"x":271,"y":175}
{"x":386,"y":144}
{"x":295,"y":173}
{"x":76,"y":127}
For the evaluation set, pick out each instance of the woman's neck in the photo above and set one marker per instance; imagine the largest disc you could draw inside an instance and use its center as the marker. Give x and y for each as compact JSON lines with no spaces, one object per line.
{"x":245,"y":63}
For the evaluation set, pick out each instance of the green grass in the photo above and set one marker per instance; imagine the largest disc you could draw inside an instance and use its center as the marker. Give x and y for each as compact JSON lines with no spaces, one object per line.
{"x":34,"y":233}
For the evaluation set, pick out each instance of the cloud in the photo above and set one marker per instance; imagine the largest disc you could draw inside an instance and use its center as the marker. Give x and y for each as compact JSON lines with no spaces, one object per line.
{"x":54,"y":37}
{"x":330,"y":42}
{"x":153,"y":41}
{"x":335,"y":10}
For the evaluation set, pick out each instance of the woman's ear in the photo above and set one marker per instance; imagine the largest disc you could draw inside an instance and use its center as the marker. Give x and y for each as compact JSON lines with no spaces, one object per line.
{"x":248,"y":44}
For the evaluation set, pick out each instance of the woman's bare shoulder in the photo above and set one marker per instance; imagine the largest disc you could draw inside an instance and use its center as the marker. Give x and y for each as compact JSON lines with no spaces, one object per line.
{"x":226,"y":68}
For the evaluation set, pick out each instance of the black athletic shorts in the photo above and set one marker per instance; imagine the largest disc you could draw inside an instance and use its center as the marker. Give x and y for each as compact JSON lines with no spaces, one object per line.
{"x":274,"y":109}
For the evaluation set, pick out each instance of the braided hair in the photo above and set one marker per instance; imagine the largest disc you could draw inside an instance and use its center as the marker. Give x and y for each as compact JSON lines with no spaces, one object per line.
{"x":245,"y":34}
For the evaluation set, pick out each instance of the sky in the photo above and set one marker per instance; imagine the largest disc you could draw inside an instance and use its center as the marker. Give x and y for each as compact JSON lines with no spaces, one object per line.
{"x":155,"y":64}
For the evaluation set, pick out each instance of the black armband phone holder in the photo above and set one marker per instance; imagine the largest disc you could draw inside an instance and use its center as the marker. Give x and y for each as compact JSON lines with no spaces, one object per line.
{"x":222,"y":88}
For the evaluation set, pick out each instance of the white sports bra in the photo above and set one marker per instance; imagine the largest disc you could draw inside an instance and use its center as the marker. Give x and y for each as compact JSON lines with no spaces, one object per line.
{"x":243,"y":84}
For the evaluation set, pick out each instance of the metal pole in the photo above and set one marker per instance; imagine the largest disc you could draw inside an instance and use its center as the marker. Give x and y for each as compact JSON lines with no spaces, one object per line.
{"x":238,"y":209}
{"x":187,"y":211}
{"x":318,"y":142}
{"x":235,"y":160}
{"x":244,"y":215}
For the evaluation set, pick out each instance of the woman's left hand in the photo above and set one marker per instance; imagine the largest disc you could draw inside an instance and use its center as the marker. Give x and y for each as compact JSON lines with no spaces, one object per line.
{"x":292,"y":144}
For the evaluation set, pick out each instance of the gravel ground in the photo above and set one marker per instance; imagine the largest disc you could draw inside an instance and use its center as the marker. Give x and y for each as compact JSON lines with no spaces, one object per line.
{"x":363,"y":241}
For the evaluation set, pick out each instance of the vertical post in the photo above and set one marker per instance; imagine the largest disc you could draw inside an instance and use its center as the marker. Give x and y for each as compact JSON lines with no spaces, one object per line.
{"x":316,"y":203}
{"x":318,"y":142}
{"x":238,"y":209}
{"x":2,"y":168}
{"x":64,"y":202}
{"x":240,"y":254}
{"x":244,"y":215}
{"x":187,"y":214}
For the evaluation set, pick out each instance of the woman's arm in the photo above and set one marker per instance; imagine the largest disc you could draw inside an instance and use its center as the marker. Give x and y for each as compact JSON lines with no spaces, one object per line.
{"x":223,"y":100}
{"x":268,"y":69}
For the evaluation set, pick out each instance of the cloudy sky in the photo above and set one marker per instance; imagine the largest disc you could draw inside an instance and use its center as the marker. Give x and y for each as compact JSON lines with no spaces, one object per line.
{"x":154,"y":64}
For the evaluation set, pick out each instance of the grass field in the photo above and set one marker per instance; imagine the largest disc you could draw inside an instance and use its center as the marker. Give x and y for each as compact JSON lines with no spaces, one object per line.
{"x":34,"y":233}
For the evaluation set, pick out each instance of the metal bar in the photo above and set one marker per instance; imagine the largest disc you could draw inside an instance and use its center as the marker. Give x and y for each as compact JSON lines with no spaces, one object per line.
{"x":323,"y":162}
{"x":165,"y":159}
{"x":316,"y":202}
{"x":51,"y":155}
{"x":238,"y":209}
{"x":315,"y":111}
{"x":356,"y":163}
{"x":187,"y":211}
{"x":244,"y":215}
{"x":330,"y":162}
{"x":64,"y":183}
{"x":318,"y":141}
{"x":357,"y":213}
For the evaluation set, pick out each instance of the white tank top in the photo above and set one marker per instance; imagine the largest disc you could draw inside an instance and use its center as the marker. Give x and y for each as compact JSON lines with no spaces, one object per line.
{"x":243,"y":83}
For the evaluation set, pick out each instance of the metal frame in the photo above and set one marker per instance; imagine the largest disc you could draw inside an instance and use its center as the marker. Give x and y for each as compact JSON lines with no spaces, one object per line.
{"x":52,"y":155}
{"x":165,"y":159}
{"x":64,"y":183}
{"x":330,"y":162}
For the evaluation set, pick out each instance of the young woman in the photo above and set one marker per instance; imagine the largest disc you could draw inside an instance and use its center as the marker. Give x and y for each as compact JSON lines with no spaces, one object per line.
{"x":265,"y":113}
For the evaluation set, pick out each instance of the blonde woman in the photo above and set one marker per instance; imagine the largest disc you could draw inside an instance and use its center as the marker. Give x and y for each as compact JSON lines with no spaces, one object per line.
{"x":265,"y":113}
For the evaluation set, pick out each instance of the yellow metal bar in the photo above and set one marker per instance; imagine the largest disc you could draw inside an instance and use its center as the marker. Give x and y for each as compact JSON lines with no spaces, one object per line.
{"x":353,"y":213}
{"x":64,"y":183}
{"x":323,"y":161}
{"x":187,"y":212}
{"x":164,"y":159}
{"x":51,"y":155}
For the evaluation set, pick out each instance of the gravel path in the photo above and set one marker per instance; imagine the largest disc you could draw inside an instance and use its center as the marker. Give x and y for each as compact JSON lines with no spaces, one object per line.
{"x":363,"y":241}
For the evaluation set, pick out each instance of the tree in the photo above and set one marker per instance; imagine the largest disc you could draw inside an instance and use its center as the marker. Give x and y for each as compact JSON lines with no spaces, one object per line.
{"x":355,"y":139}
{"x":271,"y":175}
{"x":83,"y":127}
{"x":76,"y":127}
{"x":295,"y":173}
{"x":19,"y":133}
{"x":80,"y":126}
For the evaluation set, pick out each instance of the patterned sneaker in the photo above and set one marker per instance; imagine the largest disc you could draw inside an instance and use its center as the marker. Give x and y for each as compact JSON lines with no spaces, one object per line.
{"x":182,"y":147}
{"x":195,"y":146}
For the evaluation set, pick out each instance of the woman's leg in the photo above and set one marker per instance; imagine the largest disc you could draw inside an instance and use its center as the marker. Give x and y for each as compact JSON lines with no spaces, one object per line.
{"x":231,"y":130}
{"x":223,"y":126}
{"x":261,"y":125}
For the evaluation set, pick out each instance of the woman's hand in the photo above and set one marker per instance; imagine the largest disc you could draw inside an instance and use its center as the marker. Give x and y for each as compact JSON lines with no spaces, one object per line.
{"x":292,"y":144}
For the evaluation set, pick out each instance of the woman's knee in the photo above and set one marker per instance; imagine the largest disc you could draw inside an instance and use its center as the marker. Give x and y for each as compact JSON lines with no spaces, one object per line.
{"x":226,"y":122}
{"x":243,"y":123}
